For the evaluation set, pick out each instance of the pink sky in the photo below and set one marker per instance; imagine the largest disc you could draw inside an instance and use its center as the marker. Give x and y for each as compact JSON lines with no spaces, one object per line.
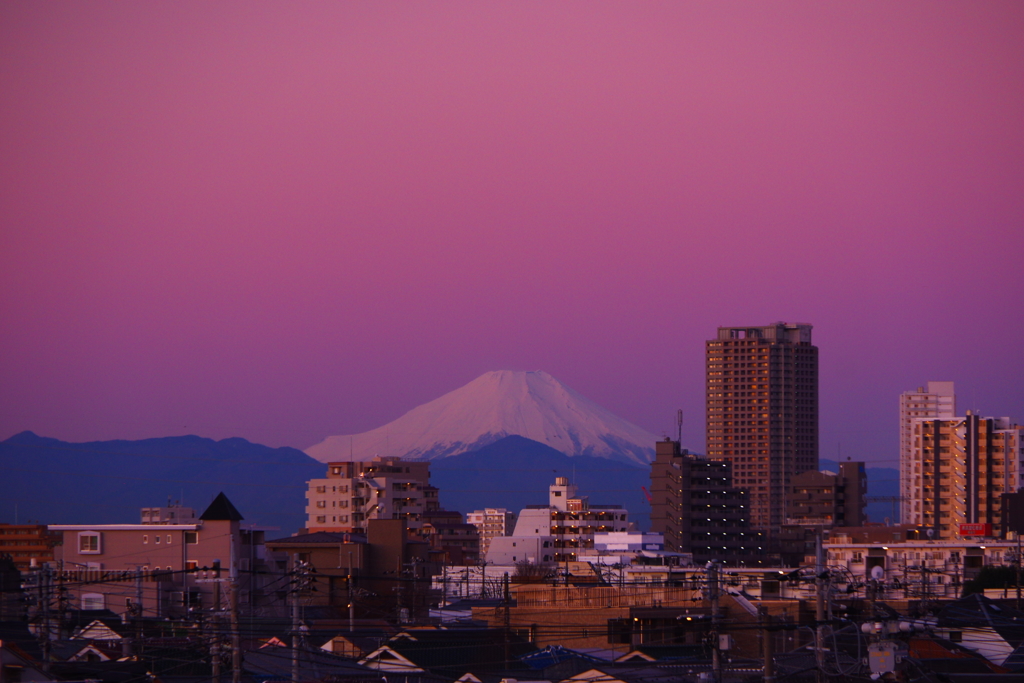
{"x":285,"y":221}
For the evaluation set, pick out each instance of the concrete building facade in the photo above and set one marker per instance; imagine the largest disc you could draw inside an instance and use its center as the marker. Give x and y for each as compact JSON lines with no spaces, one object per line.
{"x":558,"y":531}
{"x":382,"y":488}
{"x":695,"y":506}
{"x":161,"y":570}
{"x":762,"y":411}
{"x":936,"y":401}
{"x":827,"y":499}
{"x":27,"y":544}
{"x":491,"y":522}
{"x":959,"y":468}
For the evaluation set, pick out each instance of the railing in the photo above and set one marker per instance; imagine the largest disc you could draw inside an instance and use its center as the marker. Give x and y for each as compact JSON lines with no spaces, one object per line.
{"x":642,"y":595}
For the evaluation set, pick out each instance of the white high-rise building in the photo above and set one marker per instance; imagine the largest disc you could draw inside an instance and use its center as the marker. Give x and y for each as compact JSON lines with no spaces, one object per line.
{"x":936,"y":402}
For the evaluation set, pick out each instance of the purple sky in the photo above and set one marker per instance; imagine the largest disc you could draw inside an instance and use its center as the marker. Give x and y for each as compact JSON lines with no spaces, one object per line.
{"x":283,"y":221}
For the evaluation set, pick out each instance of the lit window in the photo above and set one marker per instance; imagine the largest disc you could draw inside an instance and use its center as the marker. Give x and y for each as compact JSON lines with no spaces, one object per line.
{"x":89,"y":543}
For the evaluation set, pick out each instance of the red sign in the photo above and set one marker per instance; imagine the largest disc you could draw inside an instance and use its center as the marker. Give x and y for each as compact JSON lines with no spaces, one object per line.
{"x":975,"y":529}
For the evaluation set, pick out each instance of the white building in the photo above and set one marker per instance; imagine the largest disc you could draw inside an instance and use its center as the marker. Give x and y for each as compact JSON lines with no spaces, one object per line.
{"x":558,"y":531}
{"x":917,"y":569}
{"x":937,"y":401}
{"x":491,"y":523}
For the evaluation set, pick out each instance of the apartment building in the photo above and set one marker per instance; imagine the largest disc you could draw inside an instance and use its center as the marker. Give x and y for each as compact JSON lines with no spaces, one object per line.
{"x":698,"y":510}
{"x":558,"y":531}
{"x":160,"y":569}
{"x":491,"y":522}
{"x":914,"y":565}
{"x":27,"y":544}
{"x":935,"y":401}
{"x":762,"y":411}
{"x":828,"y":499}
{"x":959,"y":468}
{"x":382,"y":488}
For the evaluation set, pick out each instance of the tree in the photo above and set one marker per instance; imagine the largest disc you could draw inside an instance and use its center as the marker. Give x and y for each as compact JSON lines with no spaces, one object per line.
{"x":991,"y":577}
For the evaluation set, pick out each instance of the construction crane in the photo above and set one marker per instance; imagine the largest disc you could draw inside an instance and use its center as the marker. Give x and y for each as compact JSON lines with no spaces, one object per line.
{"x":646,"y":493}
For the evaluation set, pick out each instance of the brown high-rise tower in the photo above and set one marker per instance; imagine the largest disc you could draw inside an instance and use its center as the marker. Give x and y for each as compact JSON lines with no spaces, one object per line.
{"x":762,"y":411}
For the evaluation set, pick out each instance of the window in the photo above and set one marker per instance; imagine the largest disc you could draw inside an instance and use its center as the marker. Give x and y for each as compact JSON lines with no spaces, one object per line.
{"x":191,"y":565}
{"x":321,"y":519}
{"x":192,"y":537}
{"x":145,"y":539}
{"x":156,"y":538}
{"x":168,"y":538}
{"x":93,"y":601}
{"x":89,"y":543}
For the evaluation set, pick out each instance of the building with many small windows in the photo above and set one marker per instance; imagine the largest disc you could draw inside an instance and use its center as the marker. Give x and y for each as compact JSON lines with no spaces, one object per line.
{"x":558,"y":531}
{"x":698,"y":510}
{"x":829,"y":499}
{"x":762,"y":411}
{"x":936,"y":400}
{"x":959,"y":468}
{"x":491,"y":522}
{"x":27,"y":544}
{"x":382,"y":488}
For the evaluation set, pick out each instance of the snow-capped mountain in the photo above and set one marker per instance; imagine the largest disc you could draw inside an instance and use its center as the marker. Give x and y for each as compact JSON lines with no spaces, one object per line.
{"x":495,"y":405}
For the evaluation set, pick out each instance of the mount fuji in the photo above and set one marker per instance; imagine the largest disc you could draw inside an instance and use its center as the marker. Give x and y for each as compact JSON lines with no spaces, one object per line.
{"x":496,"y":405}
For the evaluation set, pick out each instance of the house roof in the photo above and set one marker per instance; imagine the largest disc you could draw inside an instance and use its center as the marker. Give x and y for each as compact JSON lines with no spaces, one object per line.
{"x":455,"y":652}
{"x":320,"y":537}
{"x":977,"y":611}
{"x":221,"y":510}
{"x":313,"y":664}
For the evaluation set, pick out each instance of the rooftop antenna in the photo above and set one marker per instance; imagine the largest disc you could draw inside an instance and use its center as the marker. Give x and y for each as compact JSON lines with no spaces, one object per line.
{"x":679,"y":424}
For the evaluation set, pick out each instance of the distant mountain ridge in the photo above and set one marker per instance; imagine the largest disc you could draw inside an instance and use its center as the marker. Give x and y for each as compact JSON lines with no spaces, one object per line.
{"x":107,"y":482}
{"x":533,"y":405}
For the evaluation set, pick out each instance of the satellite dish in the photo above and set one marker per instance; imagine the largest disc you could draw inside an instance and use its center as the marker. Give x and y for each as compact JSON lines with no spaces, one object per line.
{"x":877,"y":572}
{"x":930,"y":533}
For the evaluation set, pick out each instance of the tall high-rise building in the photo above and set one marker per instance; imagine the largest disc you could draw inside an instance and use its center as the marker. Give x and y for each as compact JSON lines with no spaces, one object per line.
{"x":937,"y":401}
{"x":959,"y":469}
{"x":762,"y":411}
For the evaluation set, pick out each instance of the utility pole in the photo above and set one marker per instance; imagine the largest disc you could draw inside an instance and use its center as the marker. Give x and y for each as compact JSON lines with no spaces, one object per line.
{"x":767,"y":645}
{"x":215,"y":655}
{"x":716,"y":653}
{"x":136,"y":612}
{"x":351,"y":606}
{"x":295,"y":617}
{"x":507,"y":599}
{"x":215,"y":621}
{"x":236,"y":645}
{"x":819,"y":611}
{"x":44,"y":600}
{"x":1018,"y":570}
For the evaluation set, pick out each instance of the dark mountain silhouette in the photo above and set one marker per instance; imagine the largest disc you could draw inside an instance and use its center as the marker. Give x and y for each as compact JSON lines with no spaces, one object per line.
{"x":106,"y":482}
